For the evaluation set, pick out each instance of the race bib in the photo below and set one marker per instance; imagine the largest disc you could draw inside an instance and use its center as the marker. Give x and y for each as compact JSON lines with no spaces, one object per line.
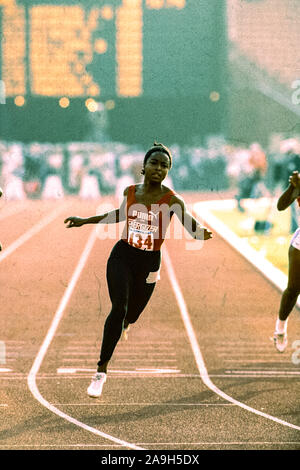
{"x":141,"y":240}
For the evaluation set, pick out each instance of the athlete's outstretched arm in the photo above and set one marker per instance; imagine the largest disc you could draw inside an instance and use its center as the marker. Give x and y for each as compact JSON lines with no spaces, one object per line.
{"x":291,"y":193}
{"x":193,"y":227}
{"x":111,"y":217}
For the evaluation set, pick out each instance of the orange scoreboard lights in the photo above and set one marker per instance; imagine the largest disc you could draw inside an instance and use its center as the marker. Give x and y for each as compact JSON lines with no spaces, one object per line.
{"x":60,"y":48}
{"x":158,"y":4}
{"x":75,"y":49}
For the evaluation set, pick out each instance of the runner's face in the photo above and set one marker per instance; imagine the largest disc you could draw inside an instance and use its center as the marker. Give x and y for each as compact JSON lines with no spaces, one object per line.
{"x":157,"y":167}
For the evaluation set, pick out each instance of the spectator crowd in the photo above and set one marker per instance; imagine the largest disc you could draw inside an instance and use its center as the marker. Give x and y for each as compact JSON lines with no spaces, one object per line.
{"x":90,"y":170}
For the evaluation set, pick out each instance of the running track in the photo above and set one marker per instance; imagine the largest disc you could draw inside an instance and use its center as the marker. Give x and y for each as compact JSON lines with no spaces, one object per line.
{"x":197,"y":372}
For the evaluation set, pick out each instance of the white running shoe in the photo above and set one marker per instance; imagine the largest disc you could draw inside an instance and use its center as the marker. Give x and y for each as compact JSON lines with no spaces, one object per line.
{"x":95,"y":389}
{"x":280,"y":341}
{"x":125,"y":333}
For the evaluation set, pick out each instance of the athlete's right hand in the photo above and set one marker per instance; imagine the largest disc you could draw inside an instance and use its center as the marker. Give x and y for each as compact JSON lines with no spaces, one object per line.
{"x":74,"y":222}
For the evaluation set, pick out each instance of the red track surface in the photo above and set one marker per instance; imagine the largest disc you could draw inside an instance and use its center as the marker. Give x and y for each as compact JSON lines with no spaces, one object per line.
{"x":232,"y":308}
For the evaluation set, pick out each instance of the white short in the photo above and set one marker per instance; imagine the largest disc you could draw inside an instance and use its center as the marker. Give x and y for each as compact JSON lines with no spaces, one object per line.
{"x":295,"y":242}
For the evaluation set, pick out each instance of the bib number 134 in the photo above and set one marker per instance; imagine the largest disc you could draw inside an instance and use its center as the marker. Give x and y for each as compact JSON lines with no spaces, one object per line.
{"x":142,"y":241}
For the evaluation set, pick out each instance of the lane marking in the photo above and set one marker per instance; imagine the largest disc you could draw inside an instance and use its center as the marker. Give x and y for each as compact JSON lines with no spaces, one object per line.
{"x":156,"y":444}
{"x":70,"y":370}
{"x":3,"y":369}
{"x":119,"y":374}
{"x":32,"y":231}
{"x":140,"y":343}
{"x":266,"y":372}
{"x":196,"y":349}
{"x":246,"y":355}
{"x":119,"y":353}
{"x":143,"y":404}
{"x":258,"y":361}
{"x":148,"y":360}
{"x":31,"y":379}
{"x":132,"y":353}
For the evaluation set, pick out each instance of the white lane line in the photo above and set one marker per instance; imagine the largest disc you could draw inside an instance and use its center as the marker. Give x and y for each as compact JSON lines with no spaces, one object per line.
{"x":70,"y":370}
{"x":171,"y":444}
{"x":196,"y":349}
{"x":176,"y":375}
{"x":258,"y":361}
{"x":166,"y":361}
{"x":3,"y":369}
{"x":31,"y":379}
{"x":119,"y":374}
{"x":139,"y":343}
{"x":266,"y":372}
{"x":258,"y":443}
{"x":132,"y":353}
{"x":123,"y":353}
{"x":31,"y":232}
{"x":141,"y":404}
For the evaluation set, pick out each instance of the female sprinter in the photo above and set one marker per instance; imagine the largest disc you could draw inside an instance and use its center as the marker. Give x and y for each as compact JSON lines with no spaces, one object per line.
{"x":290,"y":295}
{"x":134,"y":263}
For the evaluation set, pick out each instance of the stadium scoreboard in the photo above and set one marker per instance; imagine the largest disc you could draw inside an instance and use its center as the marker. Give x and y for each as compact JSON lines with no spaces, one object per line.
{"x":109,"y":48}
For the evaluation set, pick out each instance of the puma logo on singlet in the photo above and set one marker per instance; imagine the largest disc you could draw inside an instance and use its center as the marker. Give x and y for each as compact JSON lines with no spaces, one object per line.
{"x":153,"y":214}
{"x":145,"y":216}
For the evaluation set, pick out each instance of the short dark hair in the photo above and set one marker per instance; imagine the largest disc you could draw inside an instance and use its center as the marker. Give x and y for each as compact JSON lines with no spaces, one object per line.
{"x":158,"y":147}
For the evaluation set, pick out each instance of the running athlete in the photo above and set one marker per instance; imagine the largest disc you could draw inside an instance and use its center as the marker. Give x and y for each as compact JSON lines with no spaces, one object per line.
{"x":1,"y":192}
{"x":134,"y":263}
{"x":290,"y":295}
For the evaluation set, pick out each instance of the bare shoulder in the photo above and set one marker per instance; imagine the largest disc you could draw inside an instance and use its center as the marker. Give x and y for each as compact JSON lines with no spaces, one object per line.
{"x":166,"y":189}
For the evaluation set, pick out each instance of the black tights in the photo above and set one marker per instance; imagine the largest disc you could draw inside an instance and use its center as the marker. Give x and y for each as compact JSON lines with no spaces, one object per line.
{"x":127,"y":270}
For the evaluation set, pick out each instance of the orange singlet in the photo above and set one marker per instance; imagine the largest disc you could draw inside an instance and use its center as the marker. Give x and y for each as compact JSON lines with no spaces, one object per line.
{"x":146,"y":226}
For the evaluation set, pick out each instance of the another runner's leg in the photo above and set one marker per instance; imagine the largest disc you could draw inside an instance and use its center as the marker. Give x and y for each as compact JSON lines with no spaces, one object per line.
{"x":290,"y":295}
{"x":288,"y":300}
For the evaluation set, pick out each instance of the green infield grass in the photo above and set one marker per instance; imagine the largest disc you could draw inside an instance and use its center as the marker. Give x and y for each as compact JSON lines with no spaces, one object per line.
{"x":272,"y":243}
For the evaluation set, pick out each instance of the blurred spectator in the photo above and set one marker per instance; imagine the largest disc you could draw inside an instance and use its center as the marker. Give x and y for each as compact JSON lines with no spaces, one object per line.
{"x":108,"y":167}
{"x":13,"y":172}
{"x":126,"y":177}
{"x":75,"y":172}
{"x":53,"y":188}
{"x":34,"y":170}
{"x":251,"y":182}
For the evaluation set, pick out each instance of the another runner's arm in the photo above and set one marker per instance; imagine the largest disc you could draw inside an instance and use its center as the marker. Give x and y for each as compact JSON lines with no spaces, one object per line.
{"x":193,"y":227}
{"x":291,"y":193}
{"x":111,"y":217}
